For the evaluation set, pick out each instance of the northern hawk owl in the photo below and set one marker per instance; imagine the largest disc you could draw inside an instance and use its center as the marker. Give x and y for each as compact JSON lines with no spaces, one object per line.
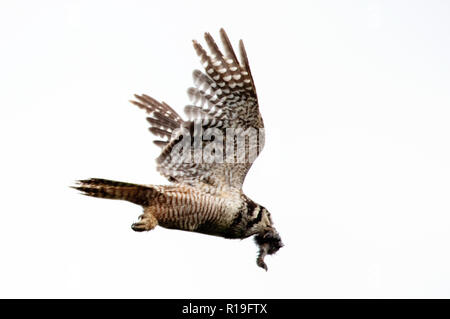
{"x":205,"y":157}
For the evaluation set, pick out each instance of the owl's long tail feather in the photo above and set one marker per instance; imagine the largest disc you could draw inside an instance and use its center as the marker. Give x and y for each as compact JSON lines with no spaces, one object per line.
{"x":103,"y":188}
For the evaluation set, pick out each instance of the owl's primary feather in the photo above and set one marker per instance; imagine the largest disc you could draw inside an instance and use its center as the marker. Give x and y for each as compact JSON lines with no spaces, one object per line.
{"x":206,"y":193}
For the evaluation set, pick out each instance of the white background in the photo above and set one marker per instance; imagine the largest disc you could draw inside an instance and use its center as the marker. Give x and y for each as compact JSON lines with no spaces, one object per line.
{"x":356,"y":170}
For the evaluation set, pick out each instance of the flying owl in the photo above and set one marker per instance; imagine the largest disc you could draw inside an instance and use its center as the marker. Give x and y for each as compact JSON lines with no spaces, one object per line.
{"x":205,"y":157}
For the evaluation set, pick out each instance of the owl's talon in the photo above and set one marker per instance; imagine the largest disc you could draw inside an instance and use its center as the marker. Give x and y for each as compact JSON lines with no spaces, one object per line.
{"x":146,"y":222}
{"x":139,"y":226}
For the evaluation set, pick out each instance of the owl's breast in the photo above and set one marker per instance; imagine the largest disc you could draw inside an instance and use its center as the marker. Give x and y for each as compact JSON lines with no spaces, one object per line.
{"x":200,"y":212}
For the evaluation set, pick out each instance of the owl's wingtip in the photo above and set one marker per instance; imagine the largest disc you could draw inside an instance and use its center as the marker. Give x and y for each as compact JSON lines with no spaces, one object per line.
{"x":262,"y":264}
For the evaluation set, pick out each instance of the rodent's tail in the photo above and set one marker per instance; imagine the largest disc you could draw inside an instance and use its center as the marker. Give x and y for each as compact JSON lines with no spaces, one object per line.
{"x":103,"y":188}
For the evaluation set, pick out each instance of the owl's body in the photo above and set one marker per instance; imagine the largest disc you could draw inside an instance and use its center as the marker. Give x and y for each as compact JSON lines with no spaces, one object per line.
{"x":225,"y":213}
{"x":206,"y":163}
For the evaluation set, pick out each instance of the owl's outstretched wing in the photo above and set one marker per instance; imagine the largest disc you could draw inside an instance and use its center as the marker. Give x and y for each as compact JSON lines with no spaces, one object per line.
{"x":162,"y":118}
{"x":225,"y":104}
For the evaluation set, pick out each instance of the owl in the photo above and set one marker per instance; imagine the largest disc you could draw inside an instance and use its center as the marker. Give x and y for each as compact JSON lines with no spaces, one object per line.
{"x":204,"y":157}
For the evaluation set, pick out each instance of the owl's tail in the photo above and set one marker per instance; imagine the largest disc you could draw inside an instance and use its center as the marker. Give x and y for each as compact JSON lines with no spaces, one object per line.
{"x":103,"y":188}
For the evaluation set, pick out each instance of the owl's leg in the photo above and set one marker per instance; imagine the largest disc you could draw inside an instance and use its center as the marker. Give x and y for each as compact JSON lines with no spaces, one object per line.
{"x":147,"y":221}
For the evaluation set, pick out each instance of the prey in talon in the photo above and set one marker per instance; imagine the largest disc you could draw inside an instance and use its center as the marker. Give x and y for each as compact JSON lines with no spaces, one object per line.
{"x":205,"y":156}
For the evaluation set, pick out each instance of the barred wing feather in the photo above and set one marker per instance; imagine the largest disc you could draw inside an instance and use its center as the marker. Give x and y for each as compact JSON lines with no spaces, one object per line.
{"x":224,"y":97}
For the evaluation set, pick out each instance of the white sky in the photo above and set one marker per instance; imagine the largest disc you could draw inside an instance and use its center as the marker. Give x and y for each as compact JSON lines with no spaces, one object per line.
{"x":356,"y":170}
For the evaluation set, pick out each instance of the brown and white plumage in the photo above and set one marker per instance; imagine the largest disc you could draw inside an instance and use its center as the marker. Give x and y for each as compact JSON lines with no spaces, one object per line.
{"x":205,"y":195}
